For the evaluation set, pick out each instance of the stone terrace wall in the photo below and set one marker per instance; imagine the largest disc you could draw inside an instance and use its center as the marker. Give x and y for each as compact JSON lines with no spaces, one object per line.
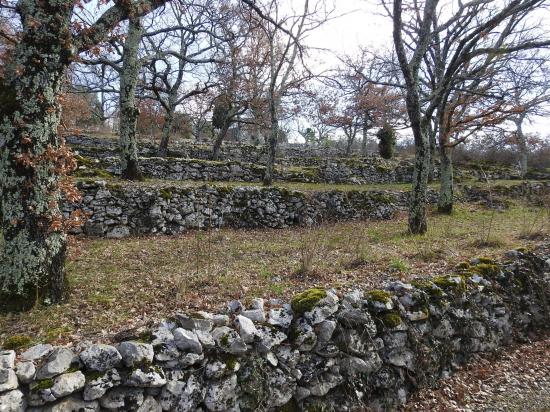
{"x":344,"y":171}
{"x":289,"y":153}
{"x":118,"y":211}
{"x":322,"y":352}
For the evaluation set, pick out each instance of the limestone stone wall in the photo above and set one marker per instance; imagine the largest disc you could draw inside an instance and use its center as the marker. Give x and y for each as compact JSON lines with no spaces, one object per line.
{"x":324,"y":351}
{"x":120,"y":210}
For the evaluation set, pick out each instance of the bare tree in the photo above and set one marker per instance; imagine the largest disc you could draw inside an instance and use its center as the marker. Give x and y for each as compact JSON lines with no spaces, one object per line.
{"x":285,"y":33}
{"x":443,"y":50}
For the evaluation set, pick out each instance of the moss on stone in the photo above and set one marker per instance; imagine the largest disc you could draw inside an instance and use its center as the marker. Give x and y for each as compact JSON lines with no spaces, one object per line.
{"x":93,"y":375}
{"x":166,"y":194}
{"x":16,"y":342}
{"x":449,"y":282}
{"x":378,"y":295}
{"x":306,"y":301}
{"x":392,"y":319}
{"x":463,"y":266}
{"x":486,"y":269}
{"x":42,"y":384}
{"x":486,"y":260}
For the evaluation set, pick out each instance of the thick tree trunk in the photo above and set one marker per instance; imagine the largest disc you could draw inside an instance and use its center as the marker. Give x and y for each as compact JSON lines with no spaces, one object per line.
{"x":522,"y":146}
{"x":446,"y":189}
{"x":166,"y":129}
{"x":31,"y":263}
{"x":129,"y":112}
{"x":218,"y":142}
{"x":417,"y":207}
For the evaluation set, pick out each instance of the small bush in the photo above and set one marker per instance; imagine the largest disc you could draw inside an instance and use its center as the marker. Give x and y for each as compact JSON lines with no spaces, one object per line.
{"x":386,"y":145}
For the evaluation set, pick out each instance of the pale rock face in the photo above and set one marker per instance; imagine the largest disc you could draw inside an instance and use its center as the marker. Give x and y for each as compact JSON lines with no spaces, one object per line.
{"x":256,"y":315}
{"x":58,"y":361}
{"x":97,"y":387}
{"x":192,"y":395}
{"x":171,"y":394}
{"x":151,"y":377}
{"x":221,"y":395}
{"x":229,"y":340}
{"x":136,"y":353}
{"x":150,"y":405}
{"x":246,"y":328}
{"x":12,"y":401}
{"x":281,"y":317}
{"x":8,"y":380}
{"x":68,"y":383}
{"x":100,"y":357}
{"x":25,"y":371}
{"x":187,"y":341}
{"x":37,"y":352}
{"x":122,"y":398}
{"x":7,"y":359}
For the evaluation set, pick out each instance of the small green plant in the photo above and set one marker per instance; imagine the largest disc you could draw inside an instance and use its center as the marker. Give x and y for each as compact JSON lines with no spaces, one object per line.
{"x":16,"y":342}
{"x":399,"y":265}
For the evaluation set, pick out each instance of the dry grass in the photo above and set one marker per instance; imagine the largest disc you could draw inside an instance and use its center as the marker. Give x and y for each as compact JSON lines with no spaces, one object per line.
{"x":117,"y":284}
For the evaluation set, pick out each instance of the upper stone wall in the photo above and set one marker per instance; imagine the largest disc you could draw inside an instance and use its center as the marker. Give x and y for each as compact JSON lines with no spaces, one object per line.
{"x":323,"y":351}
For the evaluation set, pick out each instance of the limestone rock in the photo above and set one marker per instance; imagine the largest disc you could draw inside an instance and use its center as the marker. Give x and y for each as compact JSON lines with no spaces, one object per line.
{"x":281,"y":317}
{"x":68,"y":383}
{"x":122,"y":398}
{"x":8,"y":380}
{"x":221,"y":395}
{"x":58,"y":361}
{"x":136,"y":353}
{"x":170,"y":395}
{"x":192,"y":395}
{"x":246,"y":328}
{"x":7,"y":359}
{"x":150,"y":405}
{"x":97,"y":387}
{"x":152,"y":377}
{"x":12,"y":401}
{"x":187,"y":341}
{"x":25,"y":371}
{"x":37,"y":352}
{"x":100,"y":357}
{"x":229,"y":340}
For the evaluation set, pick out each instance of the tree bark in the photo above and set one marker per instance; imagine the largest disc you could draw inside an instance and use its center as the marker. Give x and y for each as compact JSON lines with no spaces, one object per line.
{"x":31,"y":264}
{"x":446,"y":189}
{"x":272,"y":140}
{"x":219,"y":139}
{"x":129,"y":112}
{"x":522,"y":146}
{"x":366,"y":128}
{"x":166,"y":130}
{"x":417,"y":207}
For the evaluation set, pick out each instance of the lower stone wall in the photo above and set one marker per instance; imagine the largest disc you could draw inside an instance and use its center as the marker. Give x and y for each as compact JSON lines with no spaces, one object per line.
{"x":323,"y":351}
{"x":121,"y":210}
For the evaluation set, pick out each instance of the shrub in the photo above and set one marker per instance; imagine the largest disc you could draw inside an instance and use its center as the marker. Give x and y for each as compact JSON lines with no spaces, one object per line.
{"x":386,"y":145}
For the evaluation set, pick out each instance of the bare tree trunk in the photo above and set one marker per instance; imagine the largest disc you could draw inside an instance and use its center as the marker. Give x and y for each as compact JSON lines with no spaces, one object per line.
{"x":522,"y":146}
{"x":417,"y":207}
{"x":272,"y":140}
{"x":433,"y":149}
{"x":218,"y":142}
{"x":129,"y":112}
{"x":31,"y":263}
{"x":365,"y":136}
{"x":446,"y":189}
{"x":166,"y":129}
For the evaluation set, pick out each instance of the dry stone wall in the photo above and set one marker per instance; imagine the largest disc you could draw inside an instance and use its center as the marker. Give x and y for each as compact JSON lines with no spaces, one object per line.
{"x":323,"y":351}
{"x":121,"y":210}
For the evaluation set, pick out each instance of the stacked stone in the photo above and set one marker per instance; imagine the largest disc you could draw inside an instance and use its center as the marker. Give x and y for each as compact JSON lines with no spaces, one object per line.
{"x":118,"y":211}
{"x":365,"y":349}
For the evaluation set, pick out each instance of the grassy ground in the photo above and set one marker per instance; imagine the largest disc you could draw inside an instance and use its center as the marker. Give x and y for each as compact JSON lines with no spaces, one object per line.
{"x":117,"y":284}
